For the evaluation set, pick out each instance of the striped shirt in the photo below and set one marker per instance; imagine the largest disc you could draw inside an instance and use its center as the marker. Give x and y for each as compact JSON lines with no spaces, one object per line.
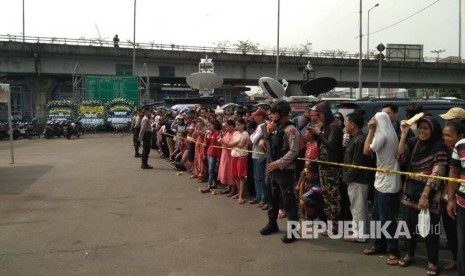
{"x":458,"y":161}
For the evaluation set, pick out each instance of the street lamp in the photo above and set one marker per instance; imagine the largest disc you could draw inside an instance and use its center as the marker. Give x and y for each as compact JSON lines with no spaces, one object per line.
{"x":360,"y":36}
{"x":134,"y":43}
{"x":277,"y":43}
{"x":460,"y":31}
{"x":438,"y":52}
{"x":368,"y":30}
{"x":24,"y":39}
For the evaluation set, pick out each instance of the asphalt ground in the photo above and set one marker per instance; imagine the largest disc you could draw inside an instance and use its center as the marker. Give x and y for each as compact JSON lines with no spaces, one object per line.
{"x":84,"y":207}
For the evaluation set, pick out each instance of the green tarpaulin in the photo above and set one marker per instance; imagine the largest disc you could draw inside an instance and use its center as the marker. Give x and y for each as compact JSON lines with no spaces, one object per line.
{"x":107,"y":88}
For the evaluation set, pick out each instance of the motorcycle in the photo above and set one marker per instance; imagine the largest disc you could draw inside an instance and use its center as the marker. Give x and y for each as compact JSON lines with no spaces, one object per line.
{"x":58,"y":129}
{"x":4,"y":131}
{"x":49,"y":131}
{"x":31,"y":129}
{"x":20,"y":130}
{"x":72,"y":129}
{"x":52,"y":129}
{"x":79,"y":126}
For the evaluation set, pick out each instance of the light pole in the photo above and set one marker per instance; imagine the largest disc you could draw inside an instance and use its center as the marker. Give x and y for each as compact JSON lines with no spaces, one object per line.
{"x":134,"y":43}
{"x":360,"y":36}
{"x":438,"y":52}
{"x":380,"y":48}
{"x":368,"y":30}
{"x":24,"y":39}
{"x":460,"y":31}
{"x":277,"y":43}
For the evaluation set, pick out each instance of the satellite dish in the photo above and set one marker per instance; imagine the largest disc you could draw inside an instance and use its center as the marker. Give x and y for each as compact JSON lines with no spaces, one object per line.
{"x":272,"y":87}
{"x":318,"y":86}
{"x":204,"y":81}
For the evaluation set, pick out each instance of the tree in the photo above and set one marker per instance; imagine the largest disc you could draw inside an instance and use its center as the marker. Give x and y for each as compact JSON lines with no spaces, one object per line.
{"x":246,"y":46}
{"x":222,"y":46}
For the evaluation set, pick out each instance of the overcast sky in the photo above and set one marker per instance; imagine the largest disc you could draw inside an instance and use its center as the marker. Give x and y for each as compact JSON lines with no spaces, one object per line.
{"x":328,"y":25}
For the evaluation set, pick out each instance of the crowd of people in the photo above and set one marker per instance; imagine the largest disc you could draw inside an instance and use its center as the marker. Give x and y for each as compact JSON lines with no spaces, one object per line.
{"x":287,"y":168}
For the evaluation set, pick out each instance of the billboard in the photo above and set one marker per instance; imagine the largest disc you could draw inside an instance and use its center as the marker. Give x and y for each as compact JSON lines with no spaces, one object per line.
{"x":404,"y":52}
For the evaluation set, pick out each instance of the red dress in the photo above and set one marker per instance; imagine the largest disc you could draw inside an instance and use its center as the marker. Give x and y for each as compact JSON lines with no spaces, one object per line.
{"x":199,"y":167}
{"x":224,"y":171}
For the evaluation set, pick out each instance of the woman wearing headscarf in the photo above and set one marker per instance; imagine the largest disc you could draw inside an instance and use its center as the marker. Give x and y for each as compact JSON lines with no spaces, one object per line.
{"x":425,"y":154}
{"x":382,"y":140}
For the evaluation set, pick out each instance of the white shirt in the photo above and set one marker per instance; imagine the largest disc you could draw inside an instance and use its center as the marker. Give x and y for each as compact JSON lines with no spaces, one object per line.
{"x":255,"y":138}
{"x":237,"y":136}
{"x":385,"y":144}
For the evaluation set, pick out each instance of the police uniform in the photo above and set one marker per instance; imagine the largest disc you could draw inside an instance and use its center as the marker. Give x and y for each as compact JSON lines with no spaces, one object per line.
{"x":135,"y":125}
{"x":145,"y":136}
{"x":282,"y":145}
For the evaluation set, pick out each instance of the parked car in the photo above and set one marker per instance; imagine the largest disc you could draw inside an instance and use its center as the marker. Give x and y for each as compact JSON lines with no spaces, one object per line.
{"x":371,"y":106}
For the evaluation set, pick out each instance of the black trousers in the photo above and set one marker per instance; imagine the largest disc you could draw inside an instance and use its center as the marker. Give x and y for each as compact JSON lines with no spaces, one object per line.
{"x":136,"y":139}
{"x":450,"y":228}
{"x":250,"y":174}
{"x":281,"y":189}
{"x":146,"y":147}
{"x":410,"y":215}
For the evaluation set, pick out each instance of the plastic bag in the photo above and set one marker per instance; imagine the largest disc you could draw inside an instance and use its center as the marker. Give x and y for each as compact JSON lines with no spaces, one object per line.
{"x":423,"y":222}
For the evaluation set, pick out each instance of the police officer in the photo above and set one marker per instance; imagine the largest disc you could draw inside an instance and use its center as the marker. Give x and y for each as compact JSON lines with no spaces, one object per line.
{"x":145,"y":137}
{"x":282,"y":148}
{"x":135,"y":126}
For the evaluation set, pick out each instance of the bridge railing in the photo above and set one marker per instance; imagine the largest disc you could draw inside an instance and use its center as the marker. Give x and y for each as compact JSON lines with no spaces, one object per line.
{"x":98,"y":42}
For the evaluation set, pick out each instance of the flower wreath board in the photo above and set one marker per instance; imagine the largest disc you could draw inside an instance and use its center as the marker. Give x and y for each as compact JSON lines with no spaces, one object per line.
{"x":61,"y":110}
{"x":92,"y":114}
{"x":119,"y":113}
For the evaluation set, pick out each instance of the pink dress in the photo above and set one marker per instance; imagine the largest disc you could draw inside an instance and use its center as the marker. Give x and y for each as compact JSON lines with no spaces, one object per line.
{"x":224,"y":171}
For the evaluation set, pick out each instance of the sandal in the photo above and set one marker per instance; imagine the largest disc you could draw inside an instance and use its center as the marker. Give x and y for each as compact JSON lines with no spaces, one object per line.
{"x":241,"y":201}
{"x":404,"y":262}
{"x":236,"y":196}
{"x":224,"y":192}
{"x":392,"y":260}
{"x":432,"y":271}
{"x":372,"y":251}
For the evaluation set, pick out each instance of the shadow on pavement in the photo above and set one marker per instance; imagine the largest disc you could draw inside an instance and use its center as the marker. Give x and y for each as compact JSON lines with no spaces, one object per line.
{"x":14,"y":180}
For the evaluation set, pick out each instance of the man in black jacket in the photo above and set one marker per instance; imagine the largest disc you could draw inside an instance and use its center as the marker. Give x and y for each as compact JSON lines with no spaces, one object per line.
{"x":357,"y":180}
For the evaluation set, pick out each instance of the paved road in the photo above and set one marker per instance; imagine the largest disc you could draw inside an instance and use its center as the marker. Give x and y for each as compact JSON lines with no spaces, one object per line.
{"x":84,"y":207}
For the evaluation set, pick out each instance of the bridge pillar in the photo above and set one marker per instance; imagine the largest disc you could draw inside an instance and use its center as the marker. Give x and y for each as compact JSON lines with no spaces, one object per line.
{"x":41,"y":91}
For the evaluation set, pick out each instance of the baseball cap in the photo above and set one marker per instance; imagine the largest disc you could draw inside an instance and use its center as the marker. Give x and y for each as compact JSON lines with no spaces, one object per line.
{"x":309,"y":106}
{"x":315,"y":110}
{"x":454,"y":113}
{"x":259,"y":112}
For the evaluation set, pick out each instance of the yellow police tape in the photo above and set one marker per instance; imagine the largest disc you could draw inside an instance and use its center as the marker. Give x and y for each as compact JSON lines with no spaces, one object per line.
{"x":410,"y":174}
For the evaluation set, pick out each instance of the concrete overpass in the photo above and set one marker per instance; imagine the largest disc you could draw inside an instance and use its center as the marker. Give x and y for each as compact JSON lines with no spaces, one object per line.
{"x":41,"y":72}
{"x":29,"y":59}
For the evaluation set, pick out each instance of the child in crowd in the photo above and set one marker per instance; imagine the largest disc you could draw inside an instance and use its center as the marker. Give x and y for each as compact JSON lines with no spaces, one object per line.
{"x":310,"y":198}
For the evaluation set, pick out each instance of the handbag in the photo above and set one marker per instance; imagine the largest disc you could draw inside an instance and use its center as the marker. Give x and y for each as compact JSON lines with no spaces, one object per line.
{"x":413,"y":188}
